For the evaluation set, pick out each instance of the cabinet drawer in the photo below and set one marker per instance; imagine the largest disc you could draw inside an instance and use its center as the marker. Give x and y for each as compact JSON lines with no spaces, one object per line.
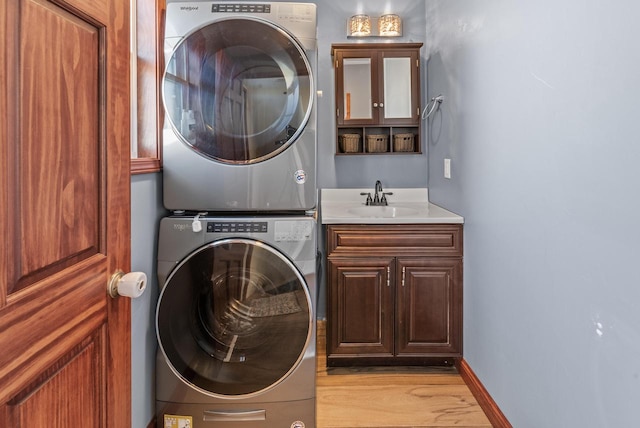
{"x":395,"y":239}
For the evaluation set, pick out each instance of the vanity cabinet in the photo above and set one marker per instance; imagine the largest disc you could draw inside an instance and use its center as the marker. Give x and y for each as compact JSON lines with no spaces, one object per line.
{"x":394,"y":294}
{"x":377,"y":98}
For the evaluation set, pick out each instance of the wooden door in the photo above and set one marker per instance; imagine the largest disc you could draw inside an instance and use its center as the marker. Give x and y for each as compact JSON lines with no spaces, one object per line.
{"x":65,"y":228}
{"x":429,"y":307}
{"x":360,"y":307}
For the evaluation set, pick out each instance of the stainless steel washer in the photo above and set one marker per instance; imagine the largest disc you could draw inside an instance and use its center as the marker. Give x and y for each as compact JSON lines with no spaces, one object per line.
{"x":236,"y":322}
{"x":239,"y":97}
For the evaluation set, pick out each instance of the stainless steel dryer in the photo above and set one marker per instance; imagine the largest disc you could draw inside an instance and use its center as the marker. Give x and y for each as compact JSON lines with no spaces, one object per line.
{"x":236,"y":322}
{"x":239,"y":97}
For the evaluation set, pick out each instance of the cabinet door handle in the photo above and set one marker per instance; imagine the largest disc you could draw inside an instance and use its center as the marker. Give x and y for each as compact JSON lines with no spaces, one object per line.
{"x":388,"y":276}
{"x":381,"y":104}
{"x":375,"y":104}
{"x":403,"y":275}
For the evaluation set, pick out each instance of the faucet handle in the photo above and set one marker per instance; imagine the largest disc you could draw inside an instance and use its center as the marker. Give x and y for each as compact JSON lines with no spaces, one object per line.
{"x":384,"y":197}
{"x":369,"y":200}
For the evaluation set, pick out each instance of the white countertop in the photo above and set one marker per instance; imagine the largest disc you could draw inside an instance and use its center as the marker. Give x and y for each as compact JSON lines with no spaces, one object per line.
{"x":347,"y":206}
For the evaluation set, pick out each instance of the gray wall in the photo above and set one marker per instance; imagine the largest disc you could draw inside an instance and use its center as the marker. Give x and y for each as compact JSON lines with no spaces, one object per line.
{"x":541,"y":122}
{"x":146,"y":211}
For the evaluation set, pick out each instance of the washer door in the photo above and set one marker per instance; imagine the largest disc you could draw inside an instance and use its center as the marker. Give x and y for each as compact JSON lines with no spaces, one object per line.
{"x":234,"y":318}
{"x":238,"y":90}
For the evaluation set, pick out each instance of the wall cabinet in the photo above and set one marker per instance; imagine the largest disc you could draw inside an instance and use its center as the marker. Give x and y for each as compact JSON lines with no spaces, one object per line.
{"x":377,"y":98}
{"x":394,"y":294}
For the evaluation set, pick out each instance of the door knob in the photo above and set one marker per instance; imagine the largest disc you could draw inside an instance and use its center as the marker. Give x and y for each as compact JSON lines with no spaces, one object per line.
{"x":130,"y":285}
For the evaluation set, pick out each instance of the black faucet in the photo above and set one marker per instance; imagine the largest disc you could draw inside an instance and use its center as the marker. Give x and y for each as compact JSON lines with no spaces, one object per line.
{"x":379,"y":198}
{"x":376,"y":197}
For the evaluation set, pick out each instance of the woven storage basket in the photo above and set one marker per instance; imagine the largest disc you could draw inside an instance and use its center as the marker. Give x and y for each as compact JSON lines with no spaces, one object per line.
{"x":350,"y":143}
{"x":377,"y":143}
{"x":403,"y":143}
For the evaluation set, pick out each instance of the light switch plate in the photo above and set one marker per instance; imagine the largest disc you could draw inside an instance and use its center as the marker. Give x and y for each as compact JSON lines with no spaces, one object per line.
{"x":447,"y":168}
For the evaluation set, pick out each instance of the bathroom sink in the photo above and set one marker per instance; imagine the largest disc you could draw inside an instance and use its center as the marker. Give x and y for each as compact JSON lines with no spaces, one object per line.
{"x":406,"y":206}
{"x":382,"y":211}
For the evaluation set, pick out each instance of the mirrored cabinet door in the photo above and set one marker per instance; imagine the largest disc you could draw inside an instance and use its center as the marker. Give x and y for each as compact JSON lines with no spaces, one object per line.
{"x":397,"y":88}
{"x":400,"y":76}
{"x":356,"y":87}
{"x":357,"y":100}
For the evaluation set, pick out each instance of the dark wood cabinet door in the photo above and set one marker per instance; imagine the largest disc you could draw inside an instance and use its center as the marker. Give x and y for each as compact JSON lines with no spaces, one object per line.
{"x":360,"y":307}
{"x":429,"y":307}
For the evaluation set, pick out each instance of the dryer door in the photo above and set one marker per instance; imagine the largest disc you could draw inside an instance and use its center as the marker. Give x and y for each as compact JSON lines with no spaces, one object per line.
{"x":238,"y":90}
{"x":234,"y":318}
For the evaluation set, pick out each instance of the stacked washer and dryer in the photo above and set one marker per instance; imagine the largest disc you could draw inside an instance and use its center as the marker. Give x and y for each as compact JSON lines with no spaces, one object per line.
{"x":237,"y":257}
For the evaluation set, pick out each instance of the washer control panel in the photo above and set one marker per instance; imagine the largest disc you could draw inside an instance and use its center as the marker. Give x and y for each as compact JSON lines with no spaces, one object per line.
{"x":293,"y":231}
{"x":237,"y":227}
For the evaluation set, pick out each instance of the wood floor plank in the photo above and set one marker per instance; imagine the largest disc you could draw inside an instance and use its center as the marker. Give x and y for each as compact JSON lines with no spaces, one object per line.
{"x":399,"y":405}
{"x":393,"y":397}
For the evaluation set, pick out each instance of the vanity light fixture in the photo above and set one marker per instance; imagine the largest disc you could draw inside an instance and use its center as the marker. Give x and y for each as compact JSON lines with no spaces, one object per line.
{"x":359,"y":26}
{"x":388,"y":25}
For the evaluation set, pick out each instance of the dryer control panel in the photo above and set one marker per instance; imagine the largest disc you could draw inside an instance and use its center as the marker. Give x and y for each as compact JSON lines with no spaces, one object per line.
{"x":241,"y":8}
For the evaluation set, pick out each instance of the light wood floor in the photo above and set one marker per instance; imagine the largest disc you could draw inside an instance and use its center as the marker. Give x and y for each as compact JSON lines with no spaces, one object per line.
{"x":414,"y":397}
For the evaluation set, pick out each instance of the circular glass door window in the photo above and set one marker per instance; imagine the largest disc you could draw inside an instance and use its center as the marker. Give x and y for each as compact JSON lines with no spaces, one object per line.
{"x":238,"y":91}
{"x":234,"y":318}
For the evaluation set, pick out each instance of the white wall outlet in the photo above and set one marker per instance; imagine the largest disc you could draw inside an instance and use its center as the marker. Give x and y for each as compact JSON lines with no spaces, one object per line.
{"x":447,"y":168}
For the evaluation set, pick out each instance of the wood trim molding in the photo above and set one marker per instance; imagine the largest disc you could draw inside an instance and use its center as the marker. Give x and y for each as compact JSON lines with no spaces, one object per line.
{"x":490,"y":408}
{"x":374,"y":46}
{"x":145,"y":165}
{"x":149,"y":40}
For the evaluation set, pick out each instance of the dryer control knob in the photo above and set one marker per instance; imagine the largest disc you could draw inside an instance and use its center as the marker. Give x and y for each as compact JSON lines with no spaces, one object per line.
{"x":130,"y":285}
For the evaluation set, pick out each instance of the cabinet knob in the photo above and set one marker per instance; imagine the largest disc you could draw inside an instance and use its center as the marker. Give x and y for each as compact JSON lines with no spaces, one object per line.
{"x":375,"y":104}
{"x":381,"y":105}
